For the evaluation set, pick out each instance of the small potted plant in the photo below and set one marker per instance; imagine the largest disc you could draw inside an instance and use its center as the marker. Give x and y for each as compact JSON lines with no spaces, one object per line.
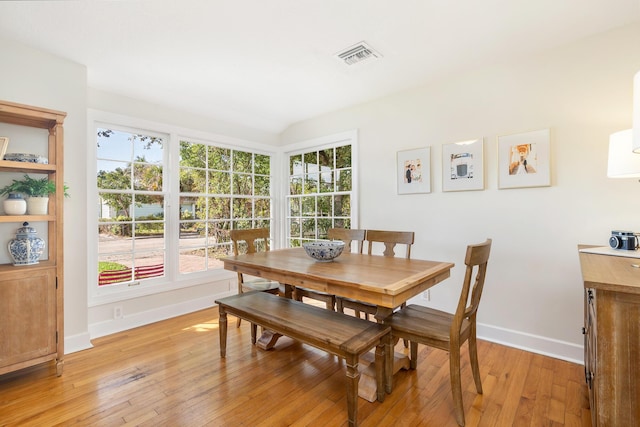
{"x":36,"y":191}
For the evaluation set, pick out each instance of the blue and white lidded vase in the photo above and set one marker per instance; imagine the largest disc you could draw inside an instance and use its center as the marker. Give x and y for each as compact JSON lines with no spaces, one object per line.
{"x":27,"y":247}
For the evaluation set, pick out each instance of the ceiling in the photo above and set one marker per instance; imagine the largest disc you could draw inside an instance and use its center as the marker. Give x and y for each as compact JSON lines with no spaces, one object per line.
{"x":267,"y":64}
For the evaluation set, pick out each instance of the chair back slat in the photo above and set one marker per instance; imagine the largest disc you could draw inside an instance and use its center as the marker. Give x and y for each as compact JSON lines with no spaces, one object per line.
{"x":476,"y":260}
{"x":254,"y":239}
{"x":347,"y":236}
{"x":390,"y":239}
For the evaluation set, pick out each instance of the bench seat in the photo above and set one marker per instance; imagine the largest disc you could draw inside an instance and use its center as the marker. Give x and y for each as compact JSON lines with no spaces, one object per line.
{"x":336,"y":333}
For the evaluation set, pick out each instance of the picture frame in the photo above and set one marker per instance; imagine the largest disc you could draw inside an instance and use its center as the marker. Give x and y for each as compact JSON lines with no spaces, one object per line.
{"x":524,"y":160}
{"x":414,"y":171}
{"x":463,"y":165}
{"x":4,"y":144}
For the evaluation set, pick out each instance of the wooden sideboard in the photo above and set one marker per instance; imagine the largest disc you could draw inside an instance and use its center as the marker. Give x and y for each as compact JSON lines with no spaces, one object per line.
{"x":612,"y":336}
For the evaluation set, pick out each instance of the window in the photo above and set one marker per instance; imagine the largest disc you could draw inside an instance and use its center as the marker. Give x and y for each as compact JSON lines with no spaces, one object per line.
{"x":169,"y":226}
{"x":320,"y":193}
{"x":220,"y":189}
{"x":131,"y":213}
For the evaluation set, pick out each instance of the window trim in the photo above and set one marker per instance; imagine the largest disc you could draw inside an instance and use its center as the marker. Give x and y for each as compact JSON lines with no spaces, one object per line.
{"x":329,"y":141}
{"x":172,"y":279}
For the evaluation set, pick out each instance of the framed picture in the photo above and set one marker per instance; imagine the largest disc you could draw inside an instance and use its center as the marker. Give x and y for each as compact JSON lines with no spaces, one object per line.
{"x":463,"y":165}
{"x":524,"y":160}
{"x":4,"y":143}
{"x":414,"y":171}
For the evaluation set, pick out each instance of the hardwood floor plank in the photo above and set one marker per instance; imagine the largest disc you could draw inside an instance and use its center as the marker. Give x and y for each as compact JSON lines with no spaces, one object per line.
{"x":171,"y":374}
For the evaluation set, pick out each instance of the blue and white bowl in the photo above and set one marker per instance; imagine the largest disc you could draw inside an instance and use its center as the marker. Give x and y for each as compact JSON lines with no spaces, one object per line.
{"x":324,"y":251}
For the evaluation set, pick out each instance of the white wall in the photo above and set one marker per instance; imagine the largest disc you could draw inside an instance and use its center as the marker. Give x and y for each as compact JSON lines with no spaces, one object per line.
{"x":533,"y":298}
{"x":582,"y":92}
{"x":33,"y":77}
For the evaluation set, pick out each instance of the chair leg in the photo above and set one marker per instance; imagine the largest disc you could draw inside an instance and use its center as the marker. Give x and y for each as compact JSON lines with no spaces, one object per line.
{"x":456,"y":386}
{"x":475,"y":367}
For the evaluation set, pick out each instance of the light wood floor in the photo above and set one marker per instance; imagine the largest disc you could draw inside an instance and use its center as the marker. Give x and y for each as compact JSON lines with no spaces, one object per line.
{"x":171,"y":374}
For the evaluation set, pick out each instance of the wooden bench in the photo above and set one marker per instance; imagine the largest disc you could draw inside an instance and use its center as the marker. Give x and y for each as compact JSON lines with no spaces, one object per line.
{"x":336,"y":333}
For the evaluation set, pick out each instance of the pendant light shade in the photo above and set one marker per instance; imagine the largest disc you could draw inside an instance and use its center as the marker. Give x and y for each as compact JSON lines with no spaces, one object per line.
{"x":623,"y":163}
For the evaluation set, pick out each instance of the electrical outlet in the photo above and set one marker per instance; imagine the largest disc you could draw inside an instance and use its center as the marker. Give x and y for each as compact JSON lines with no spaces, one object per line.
{"x":426,"y":295}
{"x":117,"y":312}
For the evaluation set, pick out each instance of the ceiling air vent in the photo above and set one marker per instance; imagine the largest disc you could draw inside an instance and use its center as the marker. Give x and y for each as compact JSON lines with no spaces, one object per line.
{"x":357,"y":53}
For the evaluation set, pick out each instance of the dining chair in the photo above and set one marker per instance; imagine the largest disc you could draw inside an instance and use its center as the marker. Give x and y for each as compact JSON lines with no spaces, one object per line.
{"x":250,"y":241}
{"x":446,"y":331}
{"x":347,"y":236}
{"x":390,"y":240}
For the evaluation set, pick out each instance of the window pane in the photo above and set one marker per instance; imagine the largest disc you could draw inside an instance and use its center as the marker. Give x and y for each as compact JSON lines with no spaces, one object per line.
{"x":295,"y":165}
{"x":242,"y":208}
{"x":192,"y":180}
{"x":319,"y":176}
{"x":309,"y":206}
{"x":262,"y":208}
{"x":191,"y":234}
{"x":262,"y":164}
{"x":325,"y":158}
{"x":192,"y":155}
{"x":262,"y":185}
{"x":311,"y":162}
{"x":219,"y":182}
{"x":113,"y":175}
{"x":131,"y":232}
{"x":242,"y":162}
{"x":242,"y":184}
{"x":342,"y":205}
{"x":343,"y":157}
{"x":220,"y":208}
{"x":147,"y":149}
{"x":188,"y":207}
{"x":311,"y":183}
{"x":295,"y":185}
{"x":147,"y":177}
{"x":294,"y":206}
{"x":219,"y":159}
{"x":344,"y":180}
{"x":309,"y":228}
{"x":325,"y":205}
{"x":113,"y":145}
{"x":326,"y":182}
{"x":192,"y":260}
{"x":324,"y":224}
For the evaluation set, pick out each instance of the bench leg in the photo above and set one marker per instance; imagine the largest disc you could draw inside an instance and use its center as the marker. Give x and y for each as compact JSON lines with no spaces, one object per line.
{"x":381,"y":366}
{"x":353,"y":377}
{"x":222,"y":324}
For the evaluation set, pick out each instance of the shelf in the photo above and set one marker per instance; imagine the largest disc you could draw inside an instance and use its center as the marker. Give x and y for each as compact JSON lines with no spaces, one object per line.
{"x":13,"y":268}
{"x":26,"y":167}
{"x":27,"y":218}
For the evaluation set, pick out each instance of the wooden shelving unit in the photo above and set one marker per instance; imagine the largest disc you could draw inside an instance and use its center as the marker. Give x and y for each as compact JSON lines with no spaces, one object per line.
{"x":31,"y":296}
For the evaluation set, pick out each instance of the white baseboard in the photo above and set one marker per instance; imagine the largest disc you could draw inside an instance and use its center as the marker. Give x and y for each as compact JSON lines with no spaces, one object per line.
{"x":533,"y":343}
{"x":127,"y":322}
{"x":77,"y":342}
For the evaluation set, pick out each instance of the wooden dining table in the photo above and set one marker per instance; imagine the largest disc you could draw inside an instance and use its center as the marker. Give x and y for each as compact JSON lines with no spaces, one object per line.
{"x":386,"y":282}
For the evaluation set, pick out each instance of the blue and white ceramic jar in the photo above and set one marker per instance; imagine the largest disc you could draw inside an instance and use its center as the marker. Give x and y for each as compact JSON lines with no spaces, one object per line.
{"x":27,"y":247}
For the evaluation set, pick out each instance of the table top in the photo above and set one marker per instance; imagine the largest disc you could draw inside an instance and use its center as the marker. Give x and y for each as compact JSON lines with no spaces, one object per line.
{"x":380,"y":280}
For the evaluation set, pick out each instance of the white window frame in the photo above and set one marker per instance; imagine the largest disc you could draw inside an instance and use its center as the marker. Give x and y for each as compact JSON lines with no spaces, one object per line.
{"x":172,"y":280}
{"x":325,"y":142}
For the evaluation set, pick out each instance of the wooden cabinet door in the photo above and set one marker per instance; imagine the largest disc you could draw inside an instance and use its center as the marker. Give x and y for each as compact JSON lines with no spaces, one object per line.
{"x":27,"y":316}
